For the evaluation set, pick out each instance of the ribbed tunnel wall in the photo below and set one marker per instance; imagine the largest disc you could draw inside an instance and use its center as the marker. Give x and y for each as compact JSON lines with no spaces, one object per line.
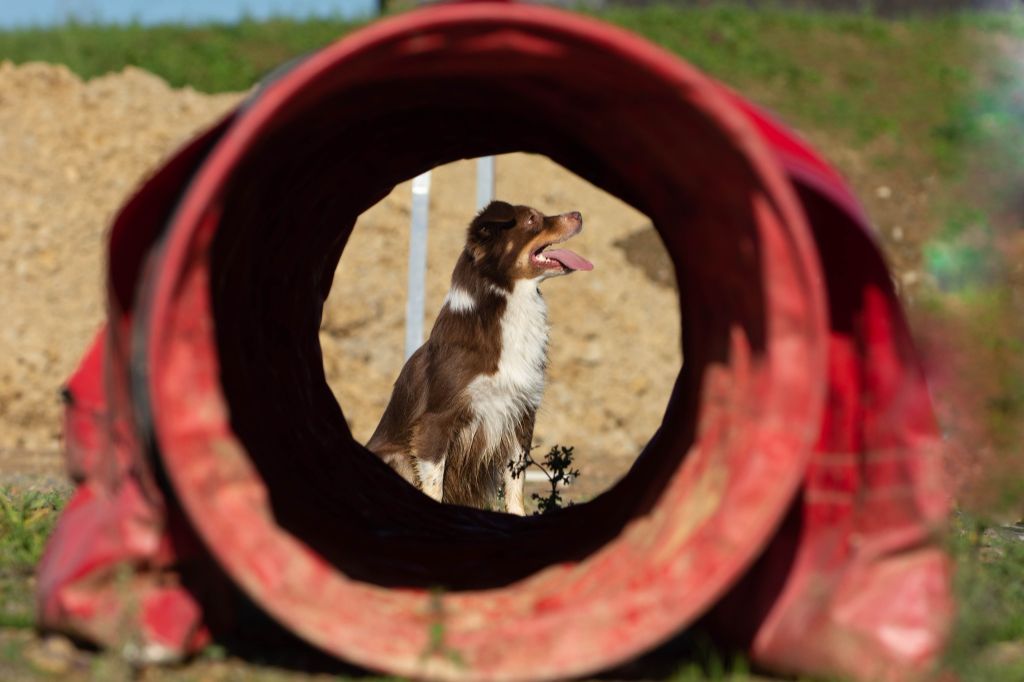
{"x":221,"y":265}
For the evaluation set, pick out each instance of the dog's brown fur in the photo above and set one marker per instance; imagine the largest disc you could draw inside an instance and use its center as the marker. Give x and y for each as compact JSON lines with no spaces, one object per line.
{"x":464,"y":404}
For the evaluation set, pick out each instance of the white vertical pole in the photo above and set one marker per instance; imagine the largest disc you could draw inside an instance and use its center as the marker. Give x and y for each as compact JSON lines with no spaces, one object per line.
{"x":484,"y":181}
{"x":417,"y":264}
{"x":417,"y":284}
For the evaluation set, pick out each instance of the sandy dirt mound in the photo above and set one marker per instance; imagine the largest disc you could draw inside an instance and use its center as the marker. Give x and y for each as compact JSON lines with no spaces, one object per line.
{"x":71,"y":152}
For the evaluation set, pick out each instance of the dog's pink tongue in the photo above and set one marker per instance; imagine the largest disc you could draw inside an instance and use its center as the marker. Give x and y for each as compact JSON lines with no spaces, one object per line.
{"x":569,"y":259}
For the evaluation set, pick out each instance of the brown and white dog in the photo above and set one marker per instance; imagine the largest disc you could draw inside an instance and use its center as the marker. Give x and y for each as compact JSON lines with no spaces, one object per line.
{"x":464,"y":404}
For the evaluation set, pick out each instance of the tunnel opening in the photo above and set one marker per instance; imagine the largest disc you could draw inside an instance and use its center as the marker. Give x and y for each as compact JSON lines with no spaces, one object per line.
{"x":614,"y":345}
{"x":278,"y":240}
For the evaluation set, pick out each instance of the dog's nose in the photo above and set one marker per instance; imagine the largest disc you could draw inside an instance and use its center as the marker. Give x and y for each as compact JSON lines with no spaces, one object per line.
{"x":577,"y":215}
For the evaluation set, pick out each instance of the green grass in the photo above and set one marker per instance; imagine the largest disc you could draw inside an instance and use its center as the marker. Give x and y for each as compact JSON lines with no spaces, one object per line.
{"x":864,"y":77}
{"x":213,"y":58}
{"x":989,"y":585}
{"x":26,"y":521}
{"x":980,"y":322}
{"x":989,"y":588}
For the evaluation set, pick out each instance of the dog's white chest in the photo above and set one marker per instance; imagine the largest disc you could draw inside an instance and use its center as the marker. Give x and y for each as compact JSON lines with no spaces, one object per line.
{"x":524,"y":343}
{"x":499,"y":400}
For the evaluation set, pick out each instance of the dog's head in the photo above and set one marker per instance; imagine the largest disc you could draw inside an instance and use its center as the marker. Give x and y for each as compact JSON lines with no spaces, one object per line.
{"x":511,"y":243}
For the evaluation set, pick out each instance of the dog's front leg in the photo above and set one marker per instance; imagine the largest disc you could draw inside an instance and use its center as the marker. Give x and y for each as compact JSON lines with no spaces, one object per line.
{"x":431,"y":476}
{"x":514,"y":485}
{"x":515,"y":472}
{"x":430,"y":450}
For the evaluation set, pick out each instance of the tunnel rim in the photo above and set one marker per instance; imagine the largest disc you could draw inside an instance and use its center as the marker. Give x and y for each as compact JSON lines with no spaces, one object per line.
{"x":259,"y":111}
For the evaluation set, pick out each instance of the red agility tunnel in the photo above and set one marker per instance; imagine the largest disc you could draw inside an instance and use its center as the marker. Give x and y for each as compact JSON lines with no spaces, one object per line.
{"x":789,"y":501}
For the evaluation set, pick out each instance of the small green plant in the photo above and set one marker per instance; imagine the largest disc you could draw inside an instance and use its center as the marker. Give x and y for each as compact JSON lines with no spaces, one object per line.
{"x":557,"y":467}
{"x":989,"y":584}
{"x":26,"y":521}
{"x":436,"y":644}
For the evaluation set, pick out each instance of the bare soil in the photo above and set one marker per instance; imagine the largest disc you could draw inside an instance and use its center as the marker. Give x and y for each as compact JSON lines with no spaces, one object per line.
{"x":70,"y":154}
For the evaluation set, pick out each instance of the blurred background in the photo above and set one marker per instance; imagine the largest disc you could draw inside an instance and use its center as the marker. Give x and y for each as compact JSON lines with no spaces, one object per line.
{"x":920,"y":105}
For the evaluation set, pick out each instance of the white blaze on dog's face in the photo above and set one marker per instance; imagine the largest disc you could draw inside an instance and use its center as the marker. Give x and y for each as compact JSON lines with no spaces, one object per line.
{"x":510,"y":243}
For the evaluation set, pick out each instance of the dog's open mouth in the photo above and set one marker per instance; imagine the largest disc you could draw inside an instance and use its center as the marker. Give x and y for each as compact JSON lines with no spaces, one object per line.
{"x":559,"y":258}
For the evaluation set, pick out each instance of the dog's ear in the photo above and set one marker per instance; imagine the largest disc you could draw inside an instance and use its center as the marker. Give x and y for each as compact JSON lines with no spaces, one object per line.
{"x":498,"y":215}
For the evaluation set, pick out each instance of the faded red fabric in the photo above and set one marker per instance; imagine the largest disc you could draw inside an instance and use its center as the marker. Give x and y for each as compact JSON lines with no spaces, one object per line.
{"x":790,"y":497}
